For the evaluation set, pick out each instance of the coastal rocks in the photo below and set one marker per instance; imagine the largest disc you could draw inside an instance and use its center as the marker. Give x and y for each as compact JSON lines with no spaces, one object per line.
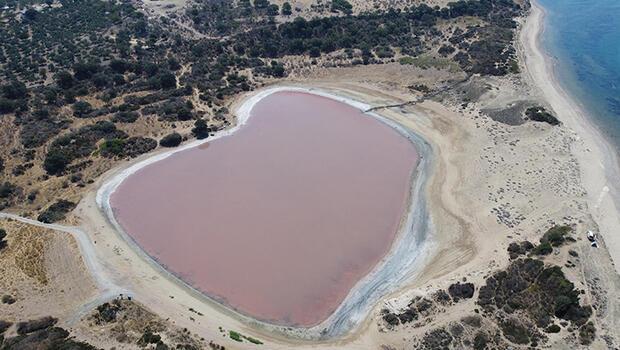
{"x":460,"y":291}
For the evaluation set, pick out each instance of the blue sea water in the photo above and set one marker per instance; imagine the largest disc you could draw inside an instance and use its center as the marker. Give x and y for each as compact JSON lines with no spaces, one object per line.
{"x":584,"y":37}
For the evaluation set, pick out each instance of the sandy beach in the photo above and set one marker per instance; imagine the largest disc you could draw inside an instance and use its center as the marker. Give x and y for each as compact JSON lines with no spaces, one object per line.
{"x":598,"y":158}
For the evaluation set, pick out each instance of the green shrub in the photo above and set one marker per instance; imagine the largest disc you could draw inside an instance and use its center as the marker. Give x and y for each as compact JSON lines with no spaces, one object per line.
{"x":556,"y":235}
{"x":341,"y":6}
{"x":111,"y":148}
{"x":56,"y":211}
{"x":587,"y":332}
{"x":253,"y":340}
{"x":171,"y":140}
{"x":235,"y":336}
{"x":543,"y":248}
{"x":540,"y":114}
{"x":201,"y":130}
{"x":286,"y":9}
{"x":149,"y":337}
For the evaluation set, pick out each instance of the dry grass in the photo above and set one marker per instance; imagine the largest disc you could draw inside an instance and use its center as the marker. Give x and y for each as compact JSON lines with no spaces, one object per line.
{"x":25,"y":253}
{"x":43,"y":271}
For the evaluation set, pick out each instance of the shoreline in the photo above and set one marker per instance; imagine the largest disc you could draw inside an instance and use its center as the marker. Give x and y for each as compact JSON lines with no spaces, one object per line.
{"x":599,"y":168}
{"x":384,"y":278}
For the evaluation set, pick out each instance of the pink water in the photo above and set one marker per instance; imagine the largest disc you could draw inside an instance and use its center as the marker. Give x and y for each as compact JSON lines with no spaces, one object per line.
{"x":281,"y":219}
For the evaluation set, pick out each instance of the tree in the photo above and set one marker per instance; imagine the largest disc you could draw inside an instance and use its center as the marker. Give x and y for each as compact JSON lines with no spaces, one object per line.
{"x":84,"y":71}
{"x":286,"y":9}
{"x":31,"y":14}
{"x":171,"y":140}
{"x":56,"y":162}
{"x":81,"y":109}
{"x":6,"y":105}
{"x":261,"y":4}
{"x":341,"y":5}
{"x":167,"y":80}
{"x":272,"y":10}
{"x":64,"y":79}
{"x":14,"y":90}
{"x":201,"y":130}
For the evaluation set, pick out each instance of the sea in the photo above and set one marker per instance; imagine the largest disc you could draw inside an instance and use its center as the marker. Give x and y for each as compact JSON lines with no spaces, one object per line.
{"x":583,"y":36}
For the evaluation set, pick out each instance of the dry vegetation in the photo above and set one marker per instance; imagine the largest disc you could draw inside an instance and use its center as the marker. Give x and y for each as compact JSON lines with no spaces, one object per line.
{"x":38,"y":266}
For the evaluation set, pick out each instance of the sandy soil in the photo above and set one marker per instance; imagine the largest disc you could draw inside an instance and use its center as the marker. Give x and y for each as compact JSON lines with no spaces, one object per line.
{"x":40,"y":269}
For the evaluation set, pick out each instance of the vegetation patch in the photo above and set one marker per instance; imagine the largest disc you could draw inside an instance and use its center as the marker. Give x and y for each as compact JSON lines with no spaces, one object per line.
{"x":236,"y":336}
{"x":41,"y":334}
{"x":35,"y":325}
{"x":78,"y":144}
{"x":171,"y":140}
{"x":130,"y":147}
{"x":56,"y":211}
{"x":460,"y":291}
{"x":540,"y":114}
{"x":538,"y":291}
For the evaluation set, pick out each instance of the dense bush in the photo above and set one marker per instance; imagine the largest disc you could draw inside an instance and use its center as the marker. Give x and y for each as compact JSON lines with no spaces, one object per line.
{"x":521,"y":248}
{"x":38,"y":128}
{"x":78,"y":144}
{"x":35,"y":325}
{"x":47,"y":337}
{"x":556,"y":235}
{"x":4,"y":325}
{"x":56,"y":211}
{"x":201,"y":130}
{"x":82,"y":109}
{"x":14,"y":90}
{"x":341,"y":6}
{"x":125,"y":117}
{"x":286,"y":9}
{"x":130,"y":147}
{"x":171,"y":140}
{"x":461,"y":291}
{"x":148,"y":337}
{"x":8,"y":190}
{"x":539,"y":291}
{"x":587,"y":332}
{"x":540,"y":114}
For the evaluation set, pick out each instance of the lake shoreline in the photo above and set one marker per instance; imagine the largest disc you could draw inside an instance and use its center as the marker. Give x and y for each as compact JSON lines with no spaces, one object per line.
{"x":395,"y":267}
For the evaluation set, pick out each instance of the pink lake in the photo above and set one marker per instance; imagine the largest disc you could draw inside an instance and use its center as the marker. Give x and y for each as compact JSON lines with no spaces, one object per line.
{"x":282,"y":218}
